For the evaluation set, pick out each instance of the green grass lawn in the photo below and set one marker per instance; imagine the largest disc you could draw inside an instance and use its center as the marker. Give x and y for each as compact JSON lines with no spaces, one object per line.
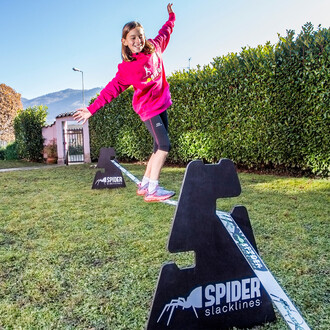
{"x":18,"y":163}
{"x":76,"y":258}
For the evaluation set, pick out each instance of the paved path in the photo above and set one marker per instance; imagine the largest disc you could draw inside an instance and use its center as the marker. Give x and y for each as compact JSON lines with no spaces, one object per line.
{"x":28,"y":168}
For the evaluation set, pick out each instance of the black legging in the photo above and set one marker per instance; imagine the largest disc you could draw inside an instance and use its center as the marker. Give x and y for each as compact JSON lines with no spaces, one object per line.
{"x":158,"y":128}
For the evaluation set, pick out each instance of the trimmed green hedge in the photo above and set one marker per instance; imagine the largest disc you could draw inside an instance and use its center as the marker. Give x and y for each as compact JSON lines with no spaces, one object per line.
{"x":266,"y":106}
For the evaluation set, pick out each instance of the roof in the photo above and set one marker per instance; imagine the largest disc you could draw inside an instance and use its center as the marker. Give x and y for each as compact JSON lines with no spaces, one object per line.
{"x":65,"y":114}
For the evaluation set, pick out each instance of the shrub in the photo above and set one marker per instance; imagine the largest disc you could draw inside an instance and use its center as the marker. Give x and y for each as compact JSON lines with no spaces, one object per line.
{"x":11,"y":152}
{"x":28,"y":132}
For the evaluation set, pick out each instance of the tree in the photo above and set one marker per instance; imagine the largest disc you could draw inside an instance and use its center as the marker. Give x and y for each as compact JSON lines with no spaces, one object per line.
{"x":10,"y":103}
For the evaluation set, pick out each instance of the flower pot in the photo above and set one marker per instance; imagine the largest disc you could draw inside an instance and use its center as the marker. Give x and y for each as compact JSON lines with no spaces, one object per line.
{"x":51,"y":160}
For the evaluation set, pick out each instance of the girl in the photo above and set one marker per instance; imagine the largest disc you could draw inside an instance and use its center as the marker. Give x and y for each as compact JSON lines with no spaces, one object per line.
{"x":143,"y":68}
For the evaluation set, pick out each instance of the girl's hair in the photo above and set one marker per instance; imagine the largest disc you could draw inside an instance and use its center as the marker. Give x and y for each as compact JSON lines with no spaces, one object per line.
{"x":126,"y":53}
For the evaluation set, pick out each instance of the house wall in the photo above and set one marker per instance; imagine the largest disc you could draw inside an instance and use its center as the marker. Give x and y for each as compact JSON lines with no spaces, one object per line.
{"x":48,"y":133}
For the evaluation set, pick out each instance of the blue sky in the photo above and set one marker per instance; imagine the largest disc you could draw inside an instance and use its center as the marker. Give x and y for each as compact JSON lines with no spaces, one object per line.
{"x":41,"y":40}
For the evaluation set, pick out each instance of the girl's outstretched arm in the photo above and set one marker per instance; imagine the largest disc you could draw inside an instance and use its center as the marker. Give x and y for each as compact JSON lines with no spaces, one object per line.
{"x":164,"y":33}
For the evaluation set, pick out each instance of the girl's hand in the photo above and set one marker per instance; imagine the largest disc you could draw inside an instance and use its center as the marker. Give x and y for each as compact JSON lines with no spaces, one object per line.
{"x":169,"y":8}
{"x":82,"y":114}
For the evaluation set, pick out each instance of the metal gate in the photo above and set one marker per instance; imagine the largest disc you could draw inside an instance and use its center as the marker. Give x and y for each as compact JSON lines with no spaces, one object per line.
{"x":75,"y":151}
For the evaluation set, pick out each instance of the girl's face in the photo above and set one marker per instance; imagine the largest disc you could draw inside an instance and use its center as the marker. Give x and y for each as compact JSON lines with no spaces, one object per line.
{"x":135,"y":40}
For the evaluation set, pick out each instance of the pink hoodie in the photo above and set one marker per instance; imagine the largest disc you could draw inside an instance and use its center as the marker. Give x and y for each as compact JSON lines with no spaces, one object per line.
{"x":146,"y":74}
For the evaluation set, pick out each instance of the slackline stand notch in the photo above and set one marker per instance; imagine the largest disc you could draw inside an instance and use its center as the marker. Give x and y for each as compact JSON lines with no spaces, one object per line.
{"x":112,"y":176}
{"x":221,"y":291}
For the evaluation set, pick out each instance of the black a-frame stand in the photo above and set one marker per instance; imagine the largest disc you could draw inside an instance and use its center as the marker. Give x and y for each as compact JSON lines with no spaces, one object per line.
{"x":221,"y":291}
{"x":112,"y":176}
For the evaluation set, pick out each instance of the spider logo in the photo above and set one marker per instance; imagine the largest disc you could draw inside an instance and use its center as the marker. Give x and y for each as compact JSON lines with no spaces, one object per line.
{"x":194,"y":300}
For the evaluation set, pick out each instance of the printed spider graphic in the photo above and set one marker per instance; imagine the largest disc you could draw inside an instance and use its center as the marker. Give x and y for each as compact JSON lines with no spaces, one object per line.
{"x":194,"y":300}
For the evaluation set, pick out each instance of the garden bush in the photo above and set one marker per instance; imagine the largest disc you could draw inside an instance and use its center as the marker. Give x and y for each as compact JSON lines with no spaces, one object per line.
{"x":28,"y":132}
{"x":264,"y":107}
{"x":9,"y":152}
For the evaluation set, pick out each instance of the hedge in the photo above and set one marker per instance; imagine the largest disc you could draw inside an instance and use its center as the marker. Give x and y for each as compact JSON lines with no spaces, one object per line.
{"x":264,"y":107}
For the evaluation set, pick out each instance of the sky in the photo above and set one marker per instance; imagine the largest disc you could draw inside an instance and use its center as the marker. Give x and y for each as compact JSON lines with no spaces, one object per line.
{"x":42,"y":40}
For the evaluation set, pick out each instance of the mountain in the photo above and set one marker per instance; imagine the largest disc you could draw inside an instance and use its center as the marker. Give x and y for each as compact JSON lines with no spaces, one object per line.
{"x":63,"y":101}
